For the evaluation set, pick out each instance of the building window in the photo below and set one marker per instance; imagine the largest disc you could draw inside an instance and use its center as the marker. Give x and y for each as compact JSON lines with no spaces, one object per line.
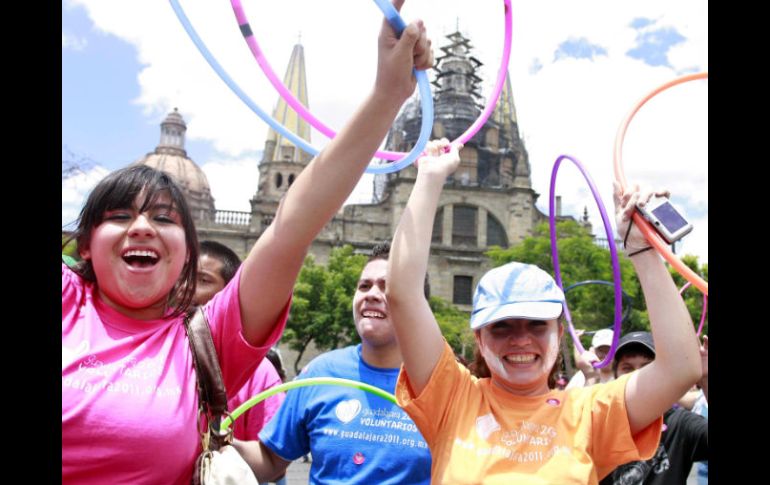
{"x":464,"y":226}
{"x":491,"y":137}
{"x":462,"y":293}
{"x":291,"y":179}
{"x":278,"y":180}
{"x":495,"y":232}
{"x":438,"y":227}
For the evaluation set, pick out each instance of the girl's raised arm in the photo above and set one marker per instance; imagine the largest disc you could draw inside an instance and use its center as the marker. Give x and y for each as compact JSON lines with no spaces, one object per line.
{"x":417,"y":331}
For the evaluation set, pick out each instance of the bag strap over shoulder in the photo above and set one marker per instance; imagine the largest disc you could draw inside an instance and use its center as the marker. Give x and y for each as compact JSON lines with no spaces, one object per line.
{"x":211,"y":387}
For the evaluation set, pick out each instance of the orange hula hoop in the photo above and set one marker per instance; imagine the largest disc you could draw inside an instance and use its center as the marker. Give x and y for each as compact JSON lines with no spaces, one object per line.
{"x":649,"y":233}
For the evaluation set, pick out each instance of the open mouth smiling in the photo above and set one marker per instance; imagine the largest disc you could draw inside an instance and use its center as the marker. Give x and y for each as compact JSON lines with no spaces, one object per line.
{"x":140,"y":258}
{"x":372,"y":314}
{"x":520,"y":358}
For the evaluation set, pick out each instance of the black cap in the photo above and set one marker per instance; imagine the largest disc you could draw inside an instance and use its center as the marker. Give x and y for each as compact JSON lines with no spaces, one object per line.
{"x":635,"y":338}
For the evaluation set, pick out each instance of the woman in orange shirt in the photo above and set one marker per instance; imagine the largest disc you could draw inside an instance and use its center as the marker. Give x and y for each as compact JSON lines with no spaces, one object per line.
{"x":512,"y":425}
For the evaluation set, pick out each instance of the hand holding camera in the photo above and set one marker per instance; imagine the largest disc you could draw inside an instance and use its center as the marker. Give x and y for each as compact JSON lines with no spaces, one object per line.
{"x":664,"y":217}
{"x":655,"y":208}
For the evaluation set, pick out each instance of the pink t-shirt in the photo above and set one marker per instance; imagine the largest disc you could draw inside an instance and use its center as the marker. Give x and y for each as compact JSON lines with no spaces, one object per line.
{"x":250,"y":423}
{"x":129,"y":402}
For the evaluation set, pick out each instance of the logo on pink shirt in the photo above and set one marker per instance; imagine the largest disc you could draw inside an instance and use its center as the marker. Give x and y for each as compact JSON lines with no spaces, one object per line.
{"x":69,"y":355}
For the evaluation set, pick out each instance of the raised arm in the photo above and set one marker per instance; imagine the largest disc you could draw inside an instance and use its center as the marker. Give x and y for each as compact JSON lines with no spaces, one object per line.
{"x":417,"y":331}
{"x":585,"y":371}
{"x":271,"y":268}
{"x":655,"y":387}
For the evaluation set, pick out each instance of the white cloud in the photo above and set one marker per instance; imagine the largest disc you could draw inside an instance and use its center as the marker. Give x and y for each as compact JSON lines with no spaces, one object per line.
{"x":697,"y":241}
{"x":75,"y":190}
{"x":74,"y":42}
{"x":568,"y":106}
{"x":575,"y":107}
{"x":231,"y":179}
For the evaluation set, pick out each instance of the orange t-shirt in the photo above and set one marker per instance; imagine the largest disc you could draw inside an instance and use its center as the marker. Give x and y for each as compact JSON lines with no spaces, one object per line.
{"x":479,"y":433}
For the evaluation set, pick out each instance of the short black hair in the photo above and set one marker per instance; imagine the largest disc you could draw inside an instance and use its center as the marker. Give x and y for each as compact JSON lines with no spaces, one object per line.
{"x":630,"y":349}
{"x":230,"y":260}
{"x":382,"y":251}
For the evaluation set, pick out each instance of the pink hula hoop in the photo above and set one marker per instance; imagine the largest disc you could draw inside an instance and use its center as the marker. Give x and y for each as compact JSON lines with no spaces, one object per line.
{"x":259,"y":56}
{"x":703,"y":312}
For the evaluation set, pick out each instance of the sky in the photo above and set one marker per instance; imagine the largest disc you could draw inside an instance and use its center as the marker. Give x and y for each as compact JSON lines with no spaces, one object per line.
{"x":577,"y":67}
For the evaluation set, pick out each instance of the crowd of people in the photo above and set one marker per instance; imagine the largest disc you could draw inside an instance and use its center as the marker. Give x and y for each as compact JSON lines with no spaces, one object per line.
{"x":129,"y":400}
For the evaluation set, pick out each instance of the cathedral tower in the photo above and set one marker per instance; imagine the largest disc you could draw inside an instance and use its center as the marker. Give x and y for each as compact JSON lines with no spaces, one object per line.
{"x":282,"y":161}
{"x":489,"y":200}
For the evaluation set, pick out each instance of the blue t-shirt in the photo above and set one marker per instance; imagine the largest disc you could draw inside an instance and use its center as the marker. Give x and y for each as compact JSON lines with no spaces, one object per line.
{"x":353,"y":435}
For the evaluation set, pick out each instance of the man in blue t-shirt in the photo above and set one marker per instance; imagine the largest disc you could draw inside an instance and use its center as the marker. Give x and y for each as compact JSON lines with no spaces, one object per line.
{"x":353,"y":436}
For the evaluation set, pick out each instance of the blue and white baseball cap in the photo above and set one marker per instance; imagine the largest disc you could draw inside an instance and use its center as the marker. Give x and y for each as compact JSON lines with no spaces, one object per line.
{"x":516,"y":290}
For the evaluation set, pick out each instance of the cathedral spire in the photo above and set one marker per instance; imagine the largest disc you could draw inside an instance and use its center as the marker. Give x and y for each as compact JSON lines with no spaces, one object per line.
{"x":279,"y":148}
{"x":457,"y":85}
{"x":281,"y":161}
{"x":505,"y":111}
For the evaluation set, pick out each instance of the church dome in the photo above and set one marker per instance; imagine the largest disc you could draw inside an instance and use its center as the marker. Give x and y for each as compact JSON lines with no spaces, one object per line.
{"x":171,"y":157}
{"x":184,"y":171}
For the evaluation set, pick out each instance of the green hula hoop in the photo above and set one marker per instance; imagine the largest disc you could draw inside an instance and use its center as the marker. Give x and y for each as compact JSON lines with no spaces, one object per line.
{"x":311,"y":381}
{"x":68,"y":260}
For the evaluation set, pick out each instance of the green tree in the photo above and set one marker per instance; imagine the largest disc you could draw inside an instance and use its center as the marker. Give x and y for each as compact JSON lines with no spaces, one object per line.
{"x":69,"y":250}
{"x":454,"y":325}
{"x":321,"y":310}
{"x":693,"y":298}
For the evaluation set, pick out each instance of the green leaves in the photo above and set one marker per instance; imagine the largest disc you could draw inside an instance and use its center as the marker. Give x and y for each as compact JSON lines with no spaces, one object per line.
{"x":70,"y":249}
{"x":455,"y":326}
{"x":321,"y":310}
{"x":693,"y":298}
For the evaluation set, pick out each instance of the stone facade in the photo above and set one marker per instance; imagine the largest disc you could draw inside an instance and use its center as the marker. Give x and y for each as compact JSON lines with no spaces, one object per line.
{"x":489,"y":200}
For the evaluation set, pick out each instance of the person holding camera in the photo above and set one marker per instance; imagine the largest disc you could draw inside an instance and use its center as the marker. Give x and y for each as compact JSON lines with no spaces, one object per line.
{"x":512,"y":424}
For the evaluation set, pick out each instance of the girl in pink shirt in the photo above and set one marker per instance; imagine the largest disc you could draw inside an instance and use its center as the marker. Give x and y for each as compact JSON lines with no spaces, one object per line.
{"x":129,"y":406}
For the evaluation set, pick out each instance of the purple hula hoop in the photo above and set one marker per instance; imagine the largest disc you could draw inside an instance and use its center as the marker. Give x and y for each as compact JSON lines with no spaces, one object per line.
{"x":705,"y":306}
{"x":251,"y":40}
{"x":613,"y":254}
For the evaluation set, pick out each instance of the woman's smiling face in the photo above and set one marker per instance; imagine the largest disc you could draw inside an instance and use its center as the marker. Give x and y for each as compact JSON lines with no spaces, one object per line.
{"x":520,"y":353}
{"x":137,"y":257}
